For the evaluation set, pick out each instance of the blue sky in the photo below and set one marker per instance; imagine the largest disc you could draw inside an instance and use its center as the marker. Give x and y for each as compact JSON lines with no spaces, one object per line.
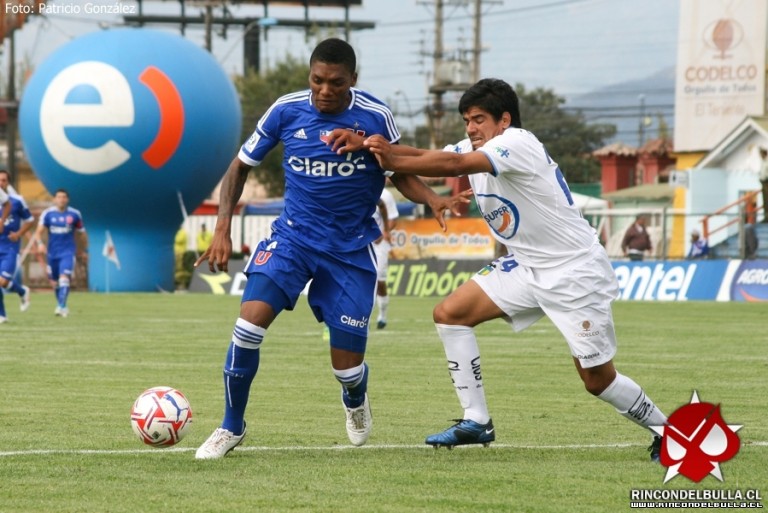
{"x":571,"y":46}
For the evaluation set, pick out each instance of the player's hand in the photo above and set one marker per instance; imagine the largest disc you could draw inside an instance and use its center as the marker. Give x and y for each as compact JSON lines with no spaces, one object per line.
{"x":381,"y":148}
{"x":13,"y":236}
{"x":217,"y":254}
{"x":343,"y":141}
{"x":440,"y":204}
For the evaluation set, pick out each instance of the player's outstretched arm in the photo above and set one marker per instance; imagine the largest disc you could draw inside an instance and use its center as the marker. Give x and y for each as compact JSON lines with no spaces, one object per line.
{"x":433,"y":163}
{"x":83,"y":252}
{"x":220,"y":250}
{"x":6,"y":211}
{"x":417,"y":191}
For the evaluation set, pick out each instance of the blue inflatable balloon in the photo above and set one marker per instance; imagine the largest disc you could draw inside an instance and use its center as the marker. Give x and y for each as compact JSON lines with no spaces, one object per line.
{"x":130,"y":121}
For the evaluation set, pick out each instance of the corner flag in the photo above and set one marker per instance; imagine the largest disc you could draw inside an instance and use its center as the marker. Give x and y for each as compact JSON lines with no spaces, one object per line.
{"x":109,"y":250}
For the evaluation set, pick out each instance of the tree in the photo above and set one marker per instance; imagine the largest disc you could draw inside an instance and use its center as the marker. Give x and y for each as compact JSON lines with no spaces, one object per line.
{"x":257,"y":94}
{"x":566,"y":135}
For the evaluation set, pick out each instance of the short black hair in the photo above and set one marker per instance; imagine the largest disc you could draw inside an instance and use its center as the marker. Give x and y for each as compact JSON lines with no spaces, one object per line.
{"x":335,"y":51}
{"x":493,"y":96}
{"x":6,"y":172}
{"x":61,"y":190}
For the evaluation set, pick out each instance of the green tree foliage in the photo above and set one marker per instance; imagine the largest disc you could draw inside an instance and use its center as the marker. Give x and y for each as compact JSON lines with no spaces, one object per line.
{"x":257,"y":93}
{"x":566,"y":135}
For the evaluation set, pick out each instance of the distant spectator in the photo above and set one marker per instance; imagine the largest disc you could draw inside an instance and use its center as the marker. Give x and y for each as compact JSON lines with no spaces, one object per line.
{"x":636,"y":239}
{"x":180,"y":243}
{"x":764,"y":181}
{"x":751,"y":242}
{"x":699,"y":247}
{"x":204,"y":239}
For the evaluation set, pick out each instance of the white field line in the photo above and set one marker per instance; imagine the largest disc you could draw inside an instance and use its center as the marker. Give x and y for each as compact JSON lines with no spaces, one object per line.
{"x":97,"y":452}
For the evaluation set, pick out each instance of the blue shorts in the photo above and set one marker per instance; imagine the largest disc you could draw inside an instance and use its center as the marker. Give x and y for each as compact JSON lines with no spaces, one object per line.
{"x":8,"y":264}
{"x":60,"y":264}
{"x":343,"y":284}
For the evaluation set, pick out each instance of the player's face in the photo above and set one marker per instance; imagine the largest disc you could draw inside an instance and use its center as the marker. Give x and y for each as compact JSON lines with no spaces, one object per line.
{"x":481,"y":127}
{"x":4,"y":181}
{"x":330,"y":85}
{"x":61,"y":200}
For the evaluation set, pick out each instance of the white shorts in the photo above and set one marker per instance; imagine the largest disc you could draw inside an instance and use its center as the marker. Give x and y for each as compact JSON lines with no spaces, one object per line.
{"x":382,"y":259}
{"x":576,"y":297}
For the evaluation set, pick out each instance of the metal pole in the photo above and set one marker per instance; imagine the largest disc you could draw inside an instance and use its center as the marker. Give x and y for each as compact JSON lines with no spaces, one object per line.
{"x":477,"y":45}
{"x":12,"y":110}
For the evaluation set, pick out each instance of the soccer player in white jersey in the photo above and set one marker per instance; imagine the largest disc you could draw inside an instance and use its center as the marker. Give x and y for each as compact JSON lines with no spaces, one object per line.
{"x":555,"y":265}
{"x":64,"y":225}
{"x":386,"y":217}
{"x":325,"y":234}
{"x":19,"y":221}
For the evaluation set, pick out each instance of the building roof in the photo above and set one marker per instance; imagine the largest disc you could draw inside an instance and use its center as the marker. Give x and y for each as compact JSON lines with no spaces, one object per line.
{"x":657,"y":147}
{"x":655,"y":191}
{"x":729,"y":143}
{"x":620,"y":149}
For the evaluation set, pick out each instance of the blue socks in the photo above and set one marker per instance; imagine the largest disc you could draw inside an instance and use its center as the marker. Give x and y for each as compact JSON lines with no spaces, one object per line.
{"x":354,"y":384}
{"x":240,"y":368}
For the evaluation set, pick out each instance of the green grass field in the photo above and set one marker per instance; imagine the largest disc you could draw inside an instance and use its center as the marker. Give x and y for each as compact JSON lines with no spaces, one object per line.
{"x":67,"y":386}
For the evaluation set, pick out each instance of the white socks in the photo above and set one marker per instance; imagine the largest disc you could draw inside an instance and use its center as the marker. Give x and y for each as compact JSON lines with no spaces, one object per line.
{"x":383,"y":303}
{"x":629,"y":399}
{"x":463,"y":357}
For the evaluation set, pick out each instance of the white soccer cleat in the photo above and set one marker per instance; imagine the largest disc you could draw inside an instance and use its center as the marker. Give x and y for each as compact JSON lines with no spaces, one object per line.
{"x":24,"y":305}
{"x":359,"y":422}
{"x":61,"y":311}
{"x":3,"y":319}
{"x":218,"y":444}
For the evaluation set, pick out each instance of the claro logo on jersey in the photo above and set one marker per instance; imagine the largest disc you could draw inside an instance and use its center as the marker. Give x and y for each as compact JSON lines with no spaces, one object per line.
{"x":67,"y":104}
{"x":311,"y":167}
{"x":500,"y":214}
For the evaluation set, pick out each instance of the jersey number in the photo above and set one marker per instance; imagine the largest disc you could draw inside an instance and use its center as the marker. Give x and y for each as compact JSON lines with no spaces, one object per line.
{"x":506,"y":264}
{"x":560,"y":179}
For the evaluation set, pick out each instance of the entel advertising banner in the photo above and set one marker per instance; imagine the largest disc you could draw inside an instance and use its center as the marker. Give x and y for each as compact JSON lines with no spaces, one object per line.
{"x":708,"y":280}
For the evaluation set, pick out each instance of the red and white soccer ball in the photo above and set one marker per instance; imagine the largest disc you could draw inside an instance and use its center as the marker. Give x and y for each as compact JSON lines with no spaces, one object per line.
{"x":161,"y":416}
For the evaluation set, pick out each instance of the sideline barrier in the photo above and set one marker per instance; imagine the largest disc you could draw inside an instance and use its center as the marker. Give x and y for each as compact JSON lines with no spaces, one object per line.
{"x":706,"y":280}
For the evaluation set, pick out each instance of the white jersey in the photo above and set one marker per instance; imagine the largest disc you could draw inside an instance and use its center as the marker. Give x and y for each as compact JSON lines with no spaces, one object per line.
{"x":526,"y":201}
{"x":391,"y":204}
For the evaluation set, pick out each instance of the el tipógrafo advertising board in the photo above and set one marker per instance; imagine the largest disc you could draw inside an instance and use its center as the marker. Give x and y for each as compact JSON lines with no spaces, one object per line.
{"x":707,"y":280}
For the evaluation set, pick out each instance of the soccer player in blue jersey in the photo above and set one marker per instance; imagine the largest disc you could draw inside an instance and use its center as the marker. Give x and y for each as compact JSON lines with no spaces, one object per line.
{"x":18,"y":222}
{"x":63,"y":223}
{"x":324,"y":234}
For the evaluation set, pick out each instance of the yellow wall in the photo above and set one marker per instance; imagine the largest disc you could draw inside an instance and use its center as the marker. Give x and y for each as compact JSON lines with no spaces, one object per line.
{"x":688,"y":160}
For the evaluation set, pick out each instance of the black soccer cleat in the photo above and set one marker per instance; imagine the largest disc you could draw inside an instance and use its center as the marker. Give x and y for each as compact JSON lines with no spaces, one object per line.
{"x":655,"y":449}
{"x":464,"y":432}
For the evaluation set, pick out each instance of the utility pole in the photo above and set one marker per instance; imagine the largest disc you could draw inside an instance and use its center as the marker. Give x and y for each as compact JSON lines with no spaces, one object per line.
{"x":12,"y":109}
{"x":477,"y":43}
{"x":436,"y":134}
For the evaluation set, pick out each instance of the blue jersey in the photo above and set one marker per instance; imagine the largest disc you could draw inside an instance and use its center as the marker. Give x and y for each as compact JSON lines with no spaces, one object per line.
{"x":19,"y":214}
{"x":61,"y":230}
{"x":329,"y":198}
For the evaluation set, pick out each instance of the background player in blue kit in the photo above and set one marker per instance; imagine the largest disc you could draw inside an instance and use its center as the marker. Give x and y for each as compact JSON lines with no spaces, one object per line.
{"x":325,"y":234}
{"x":62,"y":223}
{"x":18,"y":222}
